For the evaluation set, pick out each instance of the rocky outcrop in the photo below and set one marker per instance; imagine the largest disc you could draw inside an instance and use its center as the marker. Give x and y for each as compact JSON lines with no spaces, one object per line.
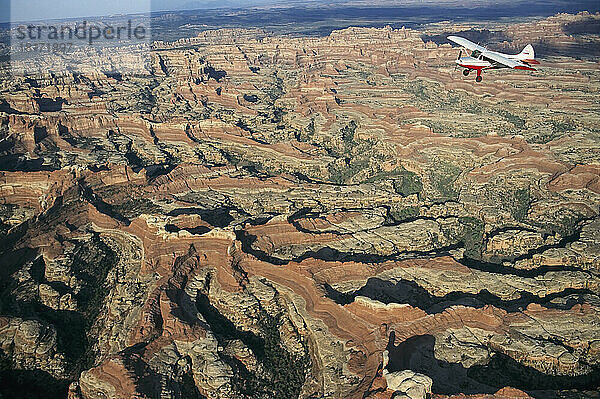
{"x":267,"y":216}
{"x":406,"y":384}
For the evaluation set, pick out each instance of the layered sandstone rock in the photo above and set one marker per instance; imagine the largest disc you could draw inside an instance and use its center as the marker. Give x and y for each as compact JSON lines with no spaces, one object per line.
{"x":265,"y":217}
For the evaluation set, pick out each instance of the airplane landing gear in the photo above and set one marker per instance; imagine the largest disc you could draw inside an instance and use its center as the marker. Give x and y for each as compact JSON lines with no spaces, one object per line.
{"x":466,"y":72}
{"x":478,"y":78}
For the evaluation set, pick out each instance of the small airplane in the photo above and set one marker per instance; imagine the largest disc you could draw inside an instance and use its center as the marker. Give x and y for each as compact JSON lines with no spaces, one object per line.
{"x":482,"y":58}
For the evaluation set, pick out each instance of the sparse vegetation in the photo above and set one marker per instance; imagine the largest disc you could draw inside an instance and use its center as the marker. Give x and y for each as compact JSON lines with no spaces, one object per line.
{"x":306,"y":134}
{"x":521,"y":203}
{"x":341,"y":174}
{"x":562,"y":127}
{"x":275,"y":91}
{"x":518,"y":122}
{"x":242,"y":124}
{"x":418,"y":89}
{"x":473,"y":236}
{"x":553,"y":130}
{"x":135,"y":207}
{"x":348,"y":133}
{"x":281,"y":374}
{"x":443,"y":178}
{"x":278,"y":114}
{"x":565,"y":222}
{"x":403,"y":214}
{"x":408,"y":183}
{"x":90,"y":263}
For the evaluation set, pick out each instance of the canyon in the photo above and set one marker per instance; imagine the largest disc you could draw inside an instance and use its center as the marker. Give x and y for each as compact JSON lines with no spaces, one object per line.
{"x":271,"y":216}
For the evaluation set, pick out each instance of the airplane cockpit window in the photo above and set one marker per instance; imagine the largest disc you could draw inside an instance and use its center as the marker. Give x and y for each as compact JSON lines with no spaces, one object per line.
{"x":475,"y":54}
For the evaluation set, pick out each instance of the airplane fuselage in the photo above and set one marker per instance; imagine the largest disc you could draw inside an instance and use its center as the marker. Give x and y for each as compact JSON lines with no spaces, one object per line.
{"x":473,"y":63}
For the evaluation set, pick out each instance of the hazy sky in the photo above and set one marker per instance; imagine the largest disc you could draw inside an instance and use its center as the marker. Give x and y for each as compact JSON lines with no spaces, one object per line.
{"x":29,"y":10}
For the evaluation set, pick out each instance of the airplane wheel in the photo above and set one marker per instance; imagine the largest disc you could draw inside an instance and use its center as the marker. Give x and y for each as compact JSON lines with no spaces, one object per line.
{"x":466,"y":72}
{"x":478,"y":79}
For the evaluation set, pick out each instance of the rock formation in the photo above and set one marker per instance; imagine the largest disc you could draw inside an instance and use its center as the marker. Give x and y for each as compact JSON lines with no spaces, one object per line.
{"x":264,"y":217}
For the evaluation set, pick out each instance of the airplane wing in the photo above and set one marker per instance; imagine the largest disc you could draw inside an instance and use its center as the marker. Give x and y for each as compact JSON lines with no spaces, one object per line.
{"x":461,"y":41}
{"x":505,"y":61}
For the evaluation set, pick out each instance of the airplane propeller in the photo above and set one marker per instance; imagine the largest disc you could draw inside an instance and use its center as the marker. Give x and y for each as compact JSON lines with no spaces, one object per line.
{"x":458,"y":58}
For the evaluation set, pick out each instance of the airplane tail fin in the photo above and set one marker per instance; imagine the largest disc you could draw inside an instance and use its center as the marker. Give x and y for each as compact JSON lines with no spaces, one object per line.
{"x":527,"y":55}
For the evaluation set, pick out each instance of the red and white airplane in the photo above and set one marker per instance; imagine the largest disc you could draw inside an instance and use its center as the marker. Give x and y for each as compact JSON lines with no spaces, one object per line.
{"x":482,"y":58}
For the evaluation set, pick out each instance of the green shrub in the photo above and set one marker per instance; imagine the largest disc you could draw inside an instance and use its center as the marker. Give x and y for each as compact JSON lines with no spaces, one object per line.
{"x":134,"y":207}
{"x":408,"y":183}
{"x":521,"y":202}
{"x":443,"y":178}
{"x":472,"y":236}
{"x":348,"y":133}
{"x":341,"y":174}
{"x":403,"y":214}
{"x":565,"y":222}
